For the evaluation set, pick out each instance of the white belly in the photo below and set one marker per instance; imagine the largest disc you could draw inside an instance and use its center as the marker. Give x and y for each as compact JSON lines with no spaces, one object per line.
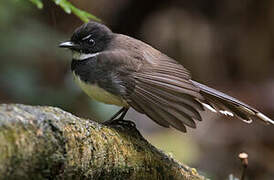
{"x":100,"y":94}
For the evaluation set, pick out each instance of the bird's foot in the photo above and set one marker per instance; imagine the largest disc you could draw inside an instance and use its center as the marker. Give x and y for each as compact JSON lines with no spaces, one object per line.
{"x":120,"y":122}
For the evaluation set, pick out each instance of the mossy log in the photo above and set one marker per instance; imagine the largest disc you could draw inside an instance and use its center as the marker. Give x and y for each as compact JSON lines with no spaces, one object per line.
{"x":39,"y":142}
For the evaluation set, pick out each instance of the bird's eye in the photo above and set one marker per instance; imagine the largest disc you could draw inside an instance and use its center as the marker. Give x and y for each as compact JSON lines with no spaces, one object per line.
{"x":91,"y":41}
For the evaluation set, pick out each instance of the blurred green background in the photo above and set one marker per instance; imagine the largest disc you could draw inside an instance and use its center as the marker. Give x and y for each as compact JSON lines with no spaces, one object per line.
{"x":228,"y":45}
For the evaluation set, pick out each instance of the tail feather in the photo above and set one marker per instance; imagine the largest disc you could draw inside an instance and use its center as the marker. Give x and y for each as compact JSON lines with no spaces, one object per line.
{"x":224,"y":104}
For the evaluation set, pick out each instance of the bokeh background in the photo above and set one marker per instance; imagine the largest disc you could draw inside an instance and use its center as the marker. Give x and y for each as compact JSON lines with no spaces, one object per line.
{"x":229,"y":45}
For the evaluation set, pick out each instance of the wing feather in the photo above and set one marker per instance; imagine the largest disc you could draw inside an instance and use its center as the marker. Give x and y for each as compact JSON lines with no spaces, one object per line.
{"x":146,"y":109}
{"x":168,"y":84}
{"x":159,"y":114}
{"x":181,"y":102}
{"x":179,"y":111}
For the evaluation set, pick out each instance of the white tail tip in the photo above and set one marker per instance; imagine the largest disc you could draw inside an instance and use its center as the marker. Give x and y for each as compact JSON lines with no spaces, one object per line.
{"x":265,"y":118}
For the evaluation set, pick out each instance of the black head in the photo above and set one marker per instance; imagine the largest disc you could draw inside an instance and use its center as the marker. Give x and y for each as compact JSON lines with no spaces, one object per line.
{"x":91,"y":37}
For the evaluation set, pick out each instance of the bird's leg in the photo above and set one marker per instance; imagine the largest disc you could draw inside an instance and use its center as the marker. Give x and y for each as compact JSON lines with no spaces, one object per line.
{"x":123,"y":114}
{"x":122,"y":110}
{"x":120,"y":120}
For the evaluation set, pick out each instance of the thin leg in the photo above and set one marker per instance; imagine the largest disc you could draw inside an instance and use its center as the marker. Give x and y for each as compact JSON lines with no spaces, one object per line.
{"x":122,"y":110}
{"x":120,"y":121}
{"x":123,"y":114}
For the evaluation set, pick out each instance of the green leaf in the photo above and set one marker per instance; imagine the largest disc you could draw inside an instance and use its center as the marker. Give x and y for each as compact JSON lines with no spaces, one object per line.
{"x":83,"y":15}
{"x":69,"y":8}
{"x":65,"y":5}
{"x":38,"y":3}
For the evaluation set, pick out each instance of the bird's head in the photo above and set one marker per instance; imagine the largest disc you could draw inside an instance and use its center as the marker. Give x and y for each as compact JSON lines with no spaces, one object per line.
{"x":90,"y":38}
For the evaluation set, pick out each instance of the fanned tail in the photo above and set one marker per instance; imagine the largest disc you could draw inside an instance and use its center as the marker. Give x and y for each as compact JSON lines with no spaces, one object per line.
{"x":225,"y":104}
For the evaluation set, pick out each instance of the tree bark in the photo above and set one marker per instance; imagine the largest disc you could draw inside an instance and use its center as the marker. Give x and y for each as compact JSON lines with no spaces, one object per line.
{"x":38,"y":142}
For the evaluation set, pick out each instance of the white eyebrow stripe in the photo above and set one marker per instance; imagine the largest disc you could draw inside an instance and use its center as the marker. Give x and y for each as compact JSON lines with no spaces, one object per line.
{"x":82,"y":56}
{"x":88,"y":36}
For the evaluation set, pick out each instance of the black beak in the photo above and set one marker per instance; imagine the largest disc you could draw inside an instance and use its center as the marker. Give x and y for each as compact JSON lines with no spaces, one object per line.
{"x":67,"y":44}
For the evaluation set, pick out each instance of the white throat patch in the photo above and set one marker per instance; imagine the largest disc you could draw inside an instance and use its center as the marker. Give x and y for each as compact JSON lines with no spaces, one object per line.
{"x":81,"y":56}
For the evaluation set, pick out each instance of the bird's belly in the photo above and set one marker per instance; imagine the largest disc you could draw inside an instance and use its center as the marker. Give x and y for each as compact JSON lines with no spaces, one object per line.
{"x":99,"y":94}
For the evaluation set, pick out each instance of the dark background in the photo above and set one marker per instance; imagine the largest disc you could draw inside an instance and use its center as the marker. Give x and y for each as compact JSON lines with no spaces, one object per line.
{"x":226,"y":44}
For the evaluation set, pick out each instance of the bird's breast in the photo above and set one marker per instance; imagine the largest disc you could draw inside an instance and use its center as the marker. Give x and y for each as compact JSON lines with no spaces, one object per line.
{"x":99,"y":94}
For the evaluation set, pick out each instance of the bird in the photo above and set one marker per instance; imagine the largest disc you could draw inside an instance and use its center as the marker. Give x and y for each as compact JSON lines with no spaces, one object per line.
{"x":120,"y":70}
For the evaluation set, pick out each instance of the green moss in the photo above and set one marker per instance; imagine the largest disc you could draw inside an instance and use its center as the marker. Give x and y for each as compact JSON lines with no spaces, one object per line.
{"x":48,"y":143}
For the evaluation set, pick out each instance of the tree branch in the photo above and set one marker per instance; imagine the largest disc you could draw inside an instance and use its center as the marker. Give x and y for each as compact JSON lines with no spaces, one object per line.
{"x":48,"y":143}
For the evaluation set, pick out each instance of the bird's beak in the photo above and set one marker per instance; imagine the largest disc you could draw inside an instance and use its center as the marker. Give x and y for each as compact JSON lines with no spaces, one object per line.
{"x":67,"y":44}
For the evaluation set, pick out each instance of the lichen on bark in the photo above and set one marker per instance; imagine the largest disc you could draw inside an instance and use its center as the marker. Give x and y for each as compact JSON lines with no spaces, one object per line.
{"x":41,"y":142}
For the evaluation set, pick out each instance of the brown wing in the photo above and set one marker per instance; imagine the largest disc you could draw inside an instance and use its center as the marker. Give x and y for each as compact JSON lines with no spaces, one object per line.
{"x":162,"y":89}
{"x":167,"y":89}
{"x":163,"y":92}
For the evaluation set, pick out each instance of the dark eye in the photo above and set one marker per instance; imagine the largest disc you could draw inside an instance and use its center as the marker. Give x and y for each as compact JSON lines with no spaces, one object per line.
{"x":91,"y":41}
